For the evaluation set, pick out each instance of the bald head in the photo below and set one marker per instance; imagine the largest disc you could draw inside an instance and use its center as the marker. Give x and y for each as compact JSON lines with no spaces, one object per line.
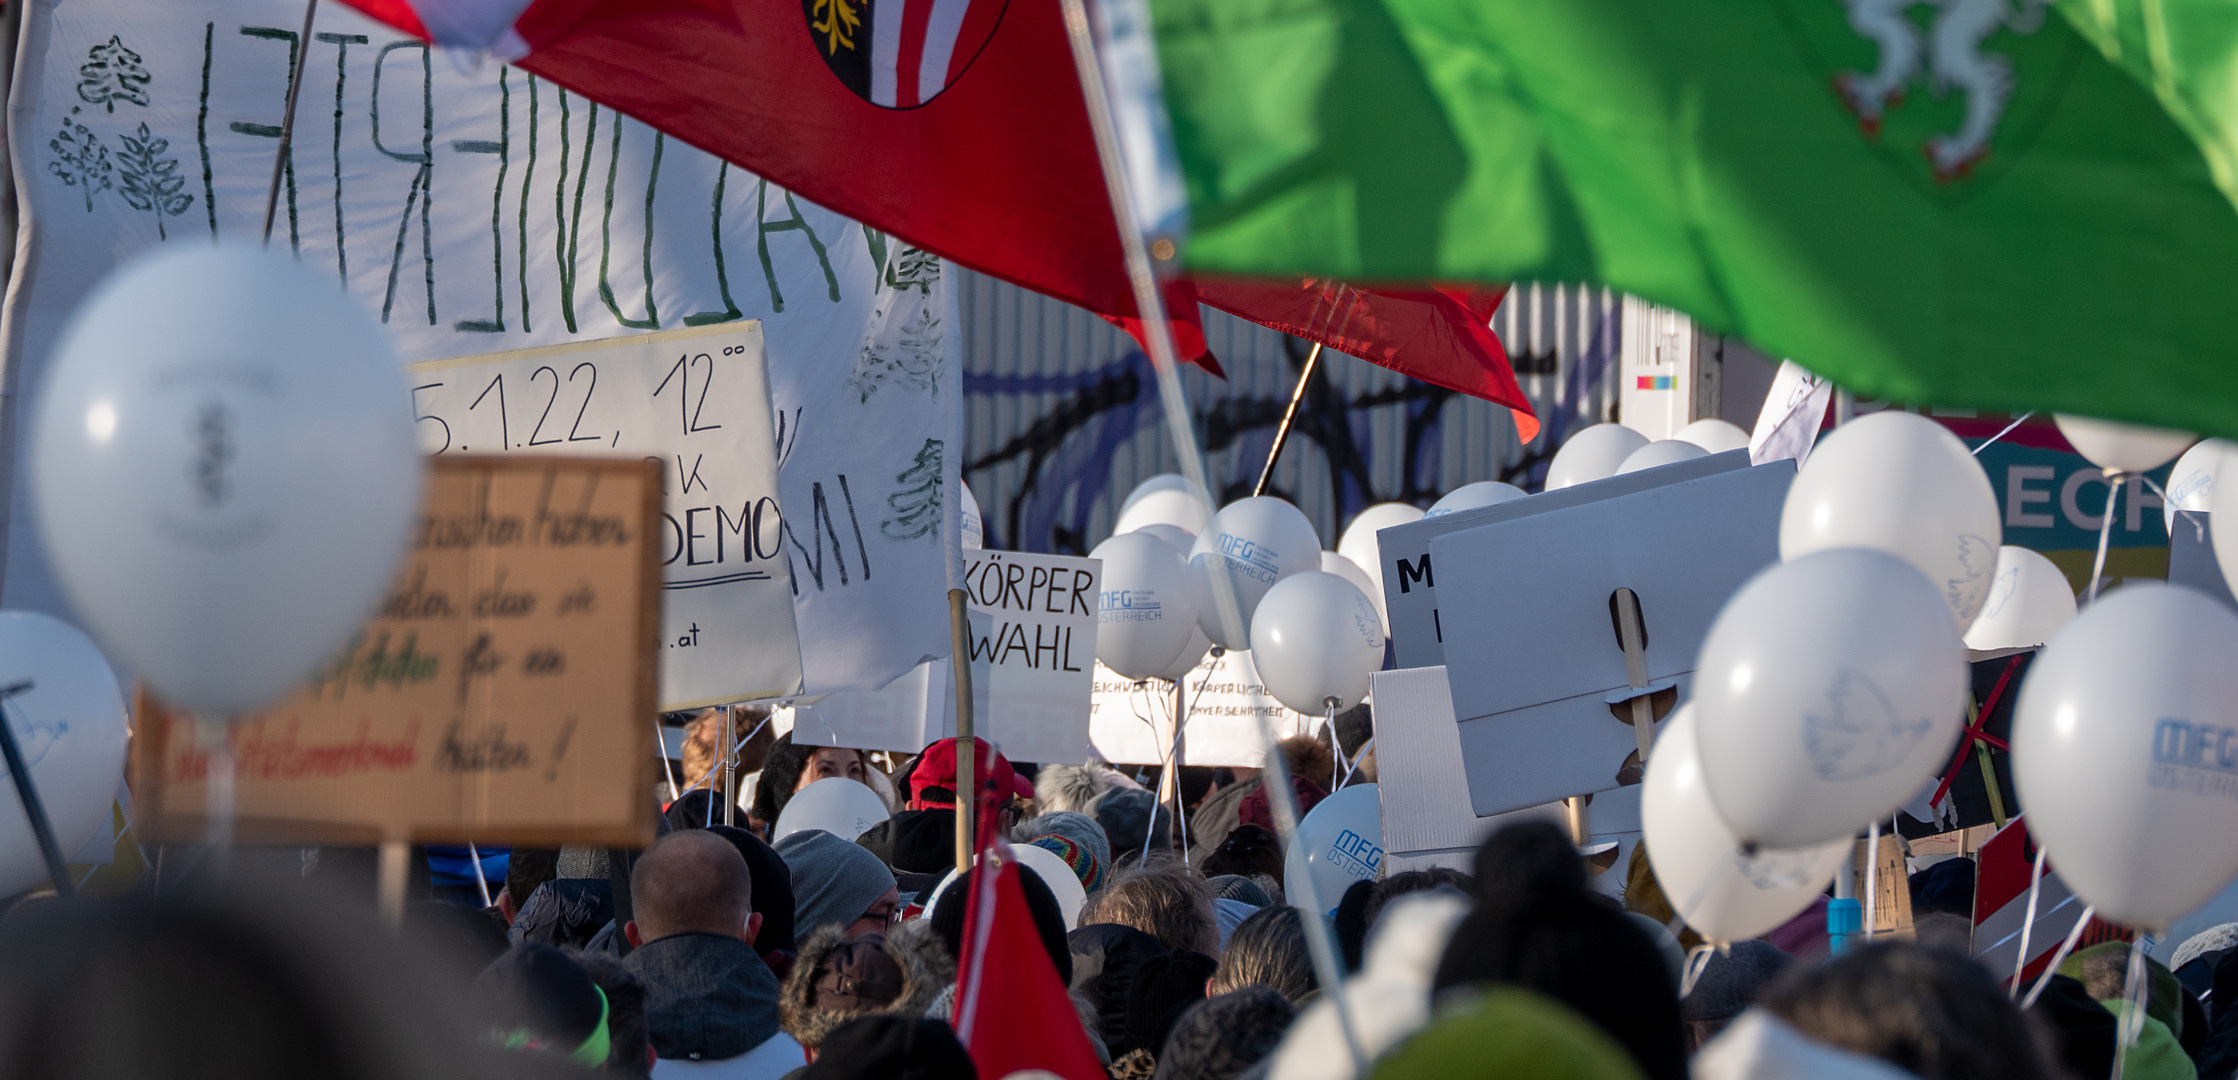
{"x":692,"y":881}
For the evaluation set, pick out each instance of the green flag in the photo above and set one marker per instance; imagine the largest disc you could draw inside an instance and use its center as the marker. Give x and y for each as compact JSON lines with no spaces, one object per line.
{"x":1962,"y":202}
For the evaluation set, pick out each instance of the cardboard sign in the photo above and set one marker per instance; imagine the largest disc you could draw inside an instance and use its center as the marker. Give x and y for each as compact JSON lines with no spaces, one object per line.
{"x":1426,"y":816}
{"x":1033,"y":649}
{"x":502,"y":692}
{"x":1891,"y":886}
{"x":2001,"y":907}
{"x":1528,"y":601}
{"x":698,"y":400}
{"x":1410,"y":582}
{"x":1132,"y":723}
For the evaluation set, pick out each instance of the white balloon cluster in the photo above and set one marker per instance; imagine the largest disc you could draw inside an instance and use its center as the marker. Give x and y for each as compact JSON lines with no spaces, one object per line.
{"x":1832,"y":684}
{"x":1310,"y":617}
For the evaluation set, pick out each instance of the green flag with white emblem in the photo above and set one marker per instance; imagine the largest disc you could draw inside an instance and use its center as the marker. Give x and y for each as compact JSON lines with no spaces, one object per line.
{"x":1963,"y":202}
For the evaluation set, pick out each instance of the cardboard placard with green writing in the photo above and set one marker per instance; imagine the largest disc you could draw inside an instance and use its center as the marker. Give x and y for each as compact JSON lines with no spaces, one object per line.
{"x":503,"y":692}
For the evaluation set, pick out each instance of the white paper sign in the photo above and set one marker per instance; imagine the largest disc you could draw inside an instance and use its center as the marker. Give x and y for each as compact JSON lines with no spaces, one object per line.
{"x":1794,"y":409}
{"x":476,"y":209}
{"x":696,"y":399}
{"x":1132,"y":722}
{"x":1034,"y":642}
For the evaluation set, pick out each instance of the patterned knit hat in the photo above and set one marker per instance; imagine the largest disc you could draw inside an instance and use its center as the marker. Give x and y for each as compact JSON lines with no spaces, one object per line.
{"x":1083,"y":861}
{"x":1219,"y":1038}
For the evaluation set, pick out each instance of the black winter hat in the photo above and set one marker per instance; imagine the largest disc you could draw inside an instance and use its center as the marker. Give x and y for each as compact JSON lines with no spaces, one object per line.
{"x":914,"y":841}
{"x":1218,"y":1038}
{"x":1162,"y":988}
{"x":540,"y":990}
{"x":1539,"y":927}
{"x":1729,"y":982}
{"x":773,"y":889}
{"x":1049,"y":919}
{"x":891,"y":1048}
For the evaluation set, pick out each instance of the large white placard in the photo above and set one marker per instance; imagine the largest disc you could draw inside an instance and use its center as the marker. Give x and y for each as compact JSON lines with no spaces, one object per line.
{"x":476,"y":209}
{"x":697,"y":400}
{"x":1033,"y":632}
{"x":1132,"y":723}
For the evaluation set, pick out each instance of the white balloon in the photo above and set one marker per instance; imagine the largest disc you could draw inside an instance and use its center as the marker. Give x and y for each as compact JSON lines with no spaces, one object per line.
{"x":224,"y":471}
{"x":1253,"y":543}
{"x":1062,"y":881}
{"x":1593,"y":453}
{"x":1316,"y":637}
{"x":1829,"y":687}
{"x":1161,"y":482}
{"x":71,"y":728}
{"x":1471,"y":496}
{"x":1340,"y":841}
{"x":1723,"y":894}
{"x":1146,"y":608}
{"x":973,"y":527}
{"x":2028,"y":603}
{"x":1898,"y":482}
{"x":842,"y":807}
{"x":1333,"y":563}
{"x":1168,"y":507}
{"x":2125,"y":752}
{"x":1192,"y":654}
{"x":1359,"y":545}
{"x":1176,"y":537}
{"x":1660,"y":453}
{"x":2118,"y":447}
{"x":1714,"y":435}
{"x":2191,"y":484}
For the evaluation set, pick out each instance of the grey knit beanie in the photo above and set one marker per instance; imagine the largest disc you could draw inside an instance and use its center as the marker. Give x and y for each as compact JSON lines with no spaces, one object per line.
{"x":834,"y":880}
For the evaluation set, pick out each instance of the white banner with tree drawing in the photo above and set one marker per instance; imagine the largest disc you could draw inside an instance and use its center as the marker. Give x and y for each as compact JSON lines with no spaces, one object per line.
{"x":478,"y":210}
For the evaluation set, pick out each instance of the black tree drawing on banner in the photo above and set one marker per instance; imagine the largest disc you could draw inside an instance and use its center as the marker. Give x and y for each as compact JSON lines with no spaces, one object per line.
{"x":150,"y":181}
{"x":80,"y":160}
{"x":916,"y":503}
{"x":112,"y":73}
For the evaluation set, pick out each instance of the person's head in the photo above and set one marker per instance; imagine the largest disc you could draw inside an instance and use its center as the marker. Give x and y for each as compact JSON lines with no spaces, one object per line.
{"x":1161,"y":989}
{"x":1509,"y":1033}
{"x":1071,"y":788}
{"x":932,"y":782}
{"x":838,"y":883}
{"x":838,"y":978}
{"x":1166,"y":901}
{"x":632,"y":1051}
{"x":1079,"y":828}
{"x":2104,"y":971}
{"x":1267,"y":949}
{"x":1222,"y":1036}
{"x":1727,"y":986}
{"x":947,"y":918}
{"x":1133,"y":818}
{"x":525,"y":869}
{"x":772,"y":898}
{"x":1309,"y":758}
{"x":914,"y":841}
{"x":1246,"y":890}
{"x":891,"y":1048}
{"x":826,"y":762}
{"x":1537,"y":925}
{"x":270,"y":983}
{"x":539,"y":998}
{"x":1198,"y":782}
{"x":1413,"y":881}
{"x":1247,"y":850}
{"x":1937,"y":1015}
{"x":692,"y":883}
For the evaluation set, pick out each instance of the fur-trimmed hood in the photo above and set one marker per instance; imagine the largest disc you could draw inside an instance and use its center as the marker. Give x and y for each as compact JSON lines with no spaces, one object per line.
{"x":925,"y":965}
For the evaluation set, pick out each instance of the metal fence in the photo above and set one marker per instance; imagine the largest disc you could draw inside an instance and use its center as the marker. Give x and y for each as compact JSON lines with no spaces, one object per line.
{"x":1062,"y":417}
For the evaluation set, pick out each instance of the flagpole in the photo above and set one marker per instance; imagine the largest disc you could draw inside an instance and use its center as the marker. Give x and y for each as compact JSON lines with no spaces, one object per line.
{"x":967,"y":796}
{"x":1282,"y":434}
{"x":287,"y":119}
{"x":1150,"y":306}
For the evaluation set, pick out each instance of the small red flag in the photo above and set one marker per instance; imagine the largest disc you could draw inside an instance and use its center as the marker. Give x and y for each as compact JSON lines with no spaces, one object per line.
{"x":1012,"y":1012}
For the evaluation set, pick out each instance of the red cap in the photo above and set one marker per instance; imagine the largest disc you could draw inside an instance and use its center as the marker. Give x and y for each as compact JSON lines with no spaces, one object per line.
{"x":996,"y":780}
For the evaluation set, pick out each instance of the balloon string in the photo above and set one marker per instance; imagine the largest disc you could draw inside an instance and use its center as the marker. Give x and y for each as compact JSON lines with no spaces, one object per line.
{"x":1697,"y":961}
{"x":2028,"y":922}
{"x":1321,"y":946}
{"x":2018,"y":421}
{"x":2059,"y":957}
{"x":1872,"y":876}
{"x":1358,"y":758}
{"x":2114,"y":481}
{"x":2132,"y":1004}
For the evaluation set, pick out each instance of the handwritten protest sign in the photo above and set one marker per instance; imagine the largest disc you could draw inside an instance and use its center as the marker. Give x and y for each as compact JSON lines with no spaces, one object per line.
{"x":501,"y":693}
{"x":1033,"y":630}
{"x":698,"y":400}
{"x":1131,"y":723}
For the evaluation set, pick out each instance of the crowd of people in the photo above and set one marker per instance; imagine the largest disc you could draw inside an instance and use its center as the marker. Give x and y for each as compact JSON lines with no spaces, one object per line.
{"x":718,"y":954}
